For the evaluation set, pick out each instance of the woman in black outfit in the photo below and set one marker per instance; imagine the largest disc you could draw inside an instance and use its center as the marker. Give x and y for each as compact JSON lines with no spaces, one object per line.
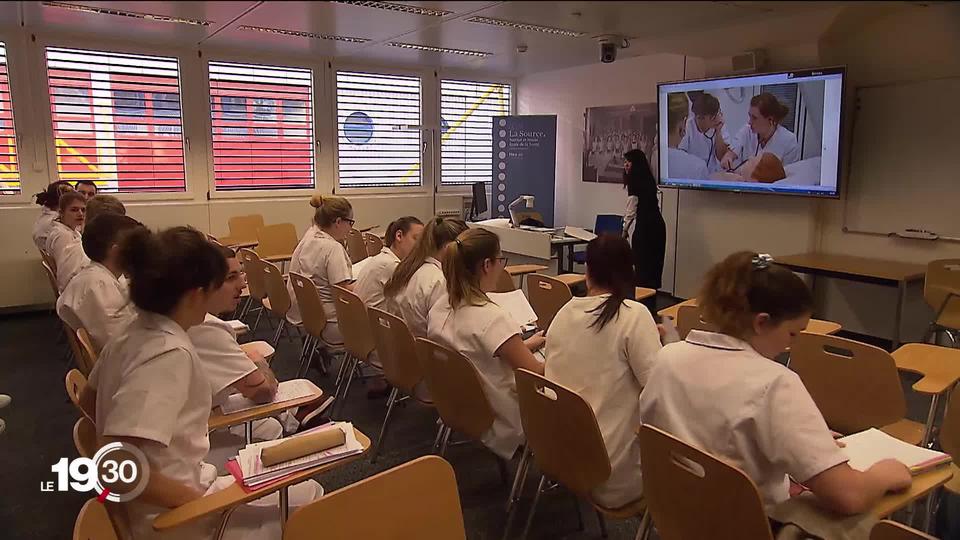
{"x":650,"y":234}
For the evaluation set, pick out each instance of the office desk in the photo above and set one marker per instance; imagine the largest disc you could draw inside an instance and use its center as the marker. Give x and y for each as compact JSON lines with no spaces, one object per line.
{"x":815,"y":326}
{"x":861,"y":269}
{"x":538,"y":245}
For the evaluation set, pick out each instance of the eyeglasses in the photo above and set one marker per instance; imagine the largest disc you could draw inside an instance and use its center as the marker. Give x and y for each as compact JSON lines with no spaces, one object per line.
{"x":351,"y":221}
{"x":501,"y":260}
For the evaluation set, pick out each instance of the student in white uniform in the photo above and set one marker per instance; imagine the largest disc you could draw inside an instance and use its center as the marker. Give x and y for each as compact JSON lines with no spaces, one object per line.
{"x":151,"y":390}
{"x":704,"y":134}
{"x":467,"y":321}
{"x":602,"y":346}
{"x":96,"y":299}
{"x":763,"y":133}
{"x":64,"y":241}
{"x":724,"y":393}
{"x":681,"y":164}
{"x":49,"y":201}
{"x":402,"y":235}
{"x":322,"y":257}
{"x":418,"y":283}
{"x":88,"y":188}
{"x":104,"y":204}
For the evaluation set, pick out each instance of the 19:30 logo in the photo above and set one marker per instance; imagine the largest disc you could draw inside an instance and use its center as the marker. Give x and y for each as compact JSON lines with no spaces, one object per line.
{"x":118,"y":472}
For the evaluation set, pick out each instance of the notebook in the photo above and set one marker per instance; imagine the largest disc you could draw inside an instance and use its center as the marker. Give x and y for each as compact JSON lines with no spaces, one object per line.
{"x":868,"y":447}
{"x":286,"y":391}
{"x":578,"y":233}
{"x":517,"y":305}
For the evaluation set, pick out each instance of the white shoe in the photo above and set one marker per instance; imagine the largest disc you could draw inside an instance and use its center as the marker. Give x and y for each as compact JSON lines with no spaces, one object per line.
{"x":4,"y":400}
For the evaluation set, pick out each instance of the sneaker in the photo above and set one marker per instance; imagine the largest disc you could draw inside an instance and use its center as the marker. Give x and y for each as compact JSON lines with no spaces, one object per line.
{"x":311,"y":416}
{"x":4,"y":400}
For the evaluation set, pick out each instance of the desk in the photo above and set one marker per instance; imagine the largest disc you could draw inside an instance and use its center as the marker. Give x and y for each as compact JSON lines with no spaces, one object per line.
{"x":862,"y":269}
{"x":940,"y":368}
{"x":523,"y":269}
{"x":642,"y":293}
{"x":282,"y":257}
{"x":234,"y":494}
{"x":815,"y":326}
{"x":219,"y":420}
{"x":923,"y":484}
{"x":538,"y":245}
{"x":261,"y":348}
{"x":565,"y":247}
{"x":237,"y":243}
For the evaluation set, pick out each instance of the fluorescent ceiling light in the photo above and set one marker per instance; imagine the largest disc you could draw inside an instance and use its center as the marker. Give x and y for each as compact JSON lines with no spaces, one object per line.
{"x":396,"y":6}
{"x":297,"y":33}
{"x":447,"y":50}
{"x":526,"y":26}
{"x":122,"y":13}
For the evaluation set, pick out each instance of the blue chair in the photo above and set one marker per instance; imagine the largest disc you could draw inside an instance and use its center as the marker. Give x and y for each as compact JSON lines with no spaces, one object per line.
{"x":605,"y":224}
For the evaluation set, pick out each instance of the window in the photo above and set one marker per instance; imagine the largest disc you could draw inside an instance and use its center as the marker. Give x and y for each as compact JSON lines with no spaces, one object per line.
{"x":116,"y":119}
{"x":467,"y":109}
{"x":378,"y":129}
{"x":9,"y":168}
{"x":258,"y":142}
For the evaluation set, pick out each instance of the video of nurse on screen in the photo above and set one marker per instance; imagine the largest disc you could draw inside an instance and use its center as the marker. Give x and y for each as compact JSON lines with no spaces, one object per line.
{"x":770,"y":134}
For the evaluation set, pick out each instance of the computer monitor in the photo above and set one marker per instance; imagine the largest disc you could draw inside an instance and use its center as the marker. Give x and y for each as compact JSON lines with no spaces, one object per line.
{"x":479,"y":204}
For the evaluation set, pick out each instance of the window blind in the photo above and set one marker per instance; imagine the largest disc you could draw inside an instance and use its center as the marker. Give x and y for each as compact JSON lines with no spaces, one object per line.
{"x":9,"y":168}
{"x":116,"y":119}
{"x":378,"y":129}
{"x":262,"y":121}
{"x":467,"y":109}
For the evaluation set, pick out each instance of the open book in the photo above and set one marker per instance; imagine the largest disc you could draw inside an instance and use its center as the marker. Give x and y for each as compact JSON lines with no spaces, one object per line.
{"x":286,"y":391}
{"x":870,"y":446}
{"x":254,"y":473}
{"x":517,"y":305}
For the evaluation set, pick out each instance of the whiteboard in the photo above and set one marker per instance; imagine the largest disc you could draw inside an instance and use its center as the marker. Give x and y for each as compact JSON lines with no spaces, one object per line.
{"x":905,"y":159}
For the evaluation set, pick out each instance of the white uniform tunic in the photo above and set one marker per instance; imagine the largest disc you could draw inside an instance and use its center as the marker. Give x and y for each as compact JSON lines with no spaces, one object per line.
{"x":685,"y":166}
{"x":783,"y":144}
{"x":41,"y":227}
{"x":715,"y":392}
{"x":701,"y":145}
{"x":374,"y":275}
{"x":608,"y":369}
{"x":426,"y":288}
{"x":325,"y":261}
{"x":477,"y":332}
{"x":98,"y":302}
{"x":65,"y":246}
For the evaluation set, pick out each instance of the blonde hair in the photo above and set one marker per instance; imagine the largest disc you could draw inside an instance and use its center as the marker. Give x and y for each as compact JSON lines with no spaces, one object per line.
{"x":438,"y":233}
{"x":329,"y":209}
{"x":461,"y":263}
{"x":104,"y":204}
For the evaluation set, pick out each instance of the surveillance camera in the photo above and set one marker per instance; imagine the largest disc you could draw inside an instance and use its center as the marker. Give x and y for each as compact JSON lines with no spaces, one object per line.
{"x":608,"y":52}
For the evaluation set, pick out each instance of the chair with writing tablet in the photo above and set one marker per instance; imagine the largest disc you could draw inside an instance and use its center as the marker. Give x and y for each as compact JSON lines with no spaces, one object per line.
{"x":415,"y":500}
{"x":76,"y":382}
{"x":565,"y":441}
{"x":856,"y":386}
{"x":373,"y":244}
{"x":357,"y":338}
{"x":356,"y":247}
{"x":692,"y":494}
{"x":891,"y":530}
{"x":276,"y":243}
{"x":547,"y":295}
{"x":314,"y":321}
{"x":277,"y":301}
{"x":243,"y":230}
{"x":941,"y":290}
{"x":256,"y":284}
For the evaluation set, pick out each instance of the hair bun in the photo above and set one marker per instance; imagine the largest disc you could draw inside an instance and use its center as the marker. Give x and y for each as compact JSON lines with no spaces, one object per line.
{"x":316,"y":201}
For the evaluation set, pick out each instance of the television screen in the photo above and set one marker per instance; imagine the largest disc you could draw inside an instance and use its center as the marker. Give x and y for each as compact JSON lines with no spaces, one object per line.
{"x":769,"y":133}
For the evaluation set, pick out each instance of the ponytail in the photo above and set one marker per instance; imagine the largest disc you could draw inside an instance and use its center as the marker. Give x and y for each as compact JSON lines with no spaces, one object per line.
{"x":610,"y":267}
{"x":461,"y":263}
{"x":50,"y":197}
{"x":438,"y":233}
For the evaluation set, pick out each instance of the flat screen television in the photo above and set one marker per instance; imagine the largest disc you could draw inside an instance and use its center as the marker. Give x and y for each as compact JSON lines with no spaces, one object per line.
{"x":767,"y":133}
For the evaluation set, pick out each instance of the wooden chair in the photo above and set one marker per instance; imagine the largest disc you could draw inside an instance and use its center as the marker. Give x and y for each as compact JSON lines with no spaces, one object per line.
{"x":357,"y":338}
{"x":397,"y":352}
{"x":51,"y":272}
{"x":572,"y":280}
{"x":564,"y":438}
{"x":276,"y":242}
{"x":418,"y":499}
{"x":691,"y":494}
{"x":356,"y":247}
{"x":94,"y":523}
{"x":941,"y":290}
{"x":856,"y":386}
{"x":256,"y":284}
{"x":373,"y":244}
{"x":505,"y":282}
{"x":457,"y":393}
{"x":314,"y":320}
{"x":85,"y":437}
{"x":690,"y":318}
{"x":88,"y":355}
{"x":950,"y":441}
{"x":547,"y":295}
{"x":243,"y":229}
{"x":277,"y":301}
{"x":76,"y":382}
{"x":891,"y":530}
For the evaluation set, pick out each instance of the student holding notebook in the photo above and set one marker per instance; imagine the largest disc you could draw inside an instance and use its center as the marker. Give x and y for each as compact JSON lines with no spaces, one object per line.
{"x":64,"y":239}
{"x":722,"y":391}
{"x":151,"y":390}
{"x":470,"y":323}
{"x":402,"y":236}
{"x":602,"y":346}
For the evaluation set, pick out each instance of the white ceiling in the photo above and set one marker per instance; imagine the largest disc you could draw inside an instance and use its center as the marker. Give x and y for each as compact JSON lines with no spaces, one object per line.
{"x":703,"y":29}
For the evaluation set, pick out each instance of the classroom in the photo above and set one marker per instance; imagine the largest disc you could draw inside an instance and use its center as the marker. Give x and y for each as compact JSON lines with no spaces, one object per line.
{"x":473,"y":270}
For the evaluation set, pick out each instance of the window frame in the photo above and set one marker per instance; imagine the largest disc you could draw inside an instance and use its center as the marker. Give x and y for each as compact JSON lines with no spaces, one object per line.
{"x":14,"y":51}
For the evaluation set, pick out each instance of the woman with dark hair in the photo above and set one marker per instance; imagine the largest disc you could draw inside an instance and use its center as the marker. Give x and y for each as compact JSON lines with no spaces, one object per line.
{"x":650,"y":233}
{"x":49,"y":201}
{"x":763,"y":134}
{"x":602,"y":346}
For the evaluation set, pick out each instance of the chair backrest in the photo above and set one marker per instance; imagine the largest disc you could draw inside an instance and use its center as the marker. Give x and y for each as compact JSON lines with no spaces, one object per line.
{"x":891,"y":530}
{"x":253,"y":268}
{"x":51,"y":262}
{"x":244,"y":228}
{"x":856,"y":386}
{"x":87,"y":352}
{"x":950,"y":429}
{"x":455,"y":388}
{"x":277,"y":239}
{"x":373,"y":243}
{"x":943,"y":276}
{"x":76,"y":382}
{"x":309,"y":303}
{"x":608,"y":223}
{"x":276,"y":289}
{"x":85,"y":437}
{"x":562,"y":432}
{"x":353,"y":322}
{"x":690,"y":318}
{"x":547,"y":295}
{"x":396,"y":349}
{"x":417,"y":499}
{"x":93,"y":523}
{"x":78,"y":355}
{"x":692,"y":494}
{"x":50,"y":270}
{"x":356,"y":248}
{"x":505,"y":282}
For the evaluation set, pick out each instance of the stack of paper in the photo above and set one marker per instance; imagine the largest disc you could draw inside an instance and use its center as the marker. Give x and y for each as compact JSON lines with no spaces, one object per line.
{"x":253,"y":473}
{"x":578,"y":233}
{"x":238,"y":327}
{"x":286,"y":391}
{"x":868,"y":447}
{"x":517,"y":305}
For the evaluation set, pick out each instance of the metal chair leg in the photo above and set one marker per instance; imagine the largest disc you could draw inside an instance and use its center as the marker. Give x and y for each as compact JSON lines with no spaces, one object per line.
{"x":256,"y":324}
{"x":518,"y":478}
{"x":436,"y":440}
{"x":276,"y":336}
{"x":576,"y":506}
{"x":646,"y":525}
{"x":348,"y":378}
{"x":386,"y":419}
{"x":305,"y":355}
{"x":445,"y":440}
{"x":533,"y":508}
{"x":603,"y":524}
